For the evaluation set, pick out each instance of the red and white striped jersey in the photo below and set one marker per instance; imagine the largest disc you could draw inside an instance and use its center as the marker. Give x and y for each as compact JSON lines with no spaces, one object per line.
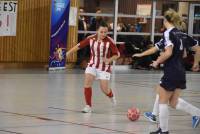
{"x":100,"y":50}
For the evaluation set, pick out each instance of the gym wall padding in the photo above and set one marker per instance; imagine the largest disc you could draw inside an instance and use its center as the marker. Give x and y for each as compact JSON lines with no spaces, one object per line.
{"x":31,"y":43}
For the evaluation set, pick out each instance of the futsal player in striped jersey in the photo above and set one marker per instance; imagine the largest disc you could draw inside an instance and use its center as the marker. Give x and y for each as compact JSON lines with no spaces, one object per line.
{"x":174,"y":79}
{"x":103,"y":52}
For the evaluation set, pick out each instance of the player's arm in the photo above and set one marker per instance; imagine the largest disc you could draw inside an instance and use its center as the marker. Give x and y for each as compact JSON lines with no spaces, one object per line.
{"x":115,"y":53}
{"x":111,"y":59}
{"x":194,"y":45}
{"x":195,"y":66}
{"x":168,"y":47}
{"x":158,"y":46}
{"x":164,"y":56}
{"x":146,"y":53}
{"x":72,"y":50}
{"x":80,"y":45}
{"x":184,"y":53}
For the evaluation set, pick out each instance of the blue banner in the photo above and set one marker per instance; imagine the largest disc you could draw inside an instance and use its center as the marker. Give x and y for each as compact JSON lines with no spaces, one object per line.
{"x":59,"y":30}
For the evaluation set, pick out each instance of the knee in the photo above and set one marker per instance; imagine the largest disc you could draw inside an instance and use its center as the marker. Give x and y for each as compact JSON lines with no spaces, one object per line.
{"x":101,"y":87}
{"x":87,"y":85}
{"x":104,"y":88}
{"x":173,"y":103}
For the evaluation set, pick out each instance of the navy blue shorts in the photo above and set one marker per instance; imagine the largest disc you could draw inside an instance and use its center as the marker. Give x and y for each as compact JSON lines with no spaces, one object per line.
{"x":171,"y":84}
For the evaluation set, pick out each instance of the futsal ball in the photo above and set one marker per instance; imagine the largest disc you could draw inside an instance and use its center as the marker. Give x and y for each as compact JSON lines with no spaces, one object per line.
{"x":133,"y":114}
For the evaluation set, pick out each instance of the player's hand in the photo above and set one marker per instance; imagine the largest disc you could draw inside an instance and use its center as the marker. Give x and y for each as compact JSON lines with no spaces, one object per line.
{"x":67,"y":54}
{"x":161,"y":53}
{"x":154,"y":64}
{"x":137,"y":55}
{"x":107,"y":61}
{"x":195,"y":68}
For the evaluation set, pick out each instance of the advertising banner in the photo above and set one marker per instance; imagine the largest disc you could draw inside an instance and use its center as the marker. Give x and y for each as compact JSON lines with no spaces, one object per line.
{"x":8,"y":18}
{"x":59,"y":30}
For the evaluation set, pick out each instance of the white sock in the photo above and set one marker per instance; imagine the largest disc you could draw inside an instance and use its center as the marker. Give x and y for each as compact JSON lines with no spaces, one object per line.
{"x":163,"y":117}
{"x":156,"y":106}
{"x":187,"y":107}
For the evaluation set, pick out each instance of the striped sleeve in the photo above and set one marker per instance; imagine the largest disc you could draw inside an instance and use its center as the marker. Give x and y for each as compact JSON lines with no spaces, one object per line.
{"x":86,"y":41}
{"x":113,"y":47}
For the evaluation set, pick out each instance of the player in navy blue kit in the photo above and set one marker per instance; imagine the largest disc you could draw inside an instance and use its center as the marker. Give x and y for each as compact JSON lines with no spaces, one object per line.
{"x":175,"y":43}
{"x":191,"y":45}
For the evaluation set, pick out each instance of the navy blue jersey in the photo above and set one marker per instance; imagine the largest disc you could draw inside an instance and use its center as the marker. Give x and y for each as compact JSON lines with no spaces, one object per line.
{"x":174,"y":70}
{"x":160,"y":44}
{"x":187,"y":40}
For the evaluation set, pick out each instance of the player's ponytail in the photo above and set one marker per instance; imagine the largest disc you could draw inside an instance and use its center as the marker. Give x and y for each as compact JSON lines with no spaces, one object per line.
{"x":183,"y":26}
{"x":174,"y":18}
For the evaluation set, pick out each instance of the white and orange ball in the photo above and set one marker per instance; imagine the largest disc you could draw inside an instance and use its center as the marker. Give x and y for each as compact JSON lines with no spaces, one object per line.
{"x":133,"y":114}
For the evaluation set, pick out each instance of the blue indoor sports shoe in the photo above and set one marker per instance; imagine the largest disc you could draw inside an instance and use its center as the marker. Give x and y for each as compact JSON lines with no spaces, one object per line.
{"x":195,"y":121}
{"x":150,"y":117}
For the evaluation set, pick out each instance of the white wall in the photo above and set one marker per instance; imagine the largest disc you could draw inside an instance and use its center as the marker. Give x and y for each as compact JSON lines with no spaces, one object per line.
{"x":183,"y":8}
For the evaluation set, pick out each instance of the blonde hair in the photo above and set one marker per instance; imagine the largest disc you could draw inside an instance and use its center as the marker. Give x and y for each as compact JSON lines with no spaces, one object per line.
{"x":173,"y":17}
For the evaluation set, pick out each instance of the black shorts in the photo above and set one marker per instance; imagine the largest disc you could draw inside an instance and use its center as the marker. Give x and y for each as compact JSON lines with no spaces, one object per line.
{"x":171,"y":84}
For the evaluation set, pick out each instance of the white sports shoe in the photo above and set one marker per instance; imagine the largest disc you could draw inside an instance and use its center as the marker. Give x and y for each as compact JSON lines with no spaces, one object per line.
{"x":114,"y":101}
{"x":87,"y":109}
